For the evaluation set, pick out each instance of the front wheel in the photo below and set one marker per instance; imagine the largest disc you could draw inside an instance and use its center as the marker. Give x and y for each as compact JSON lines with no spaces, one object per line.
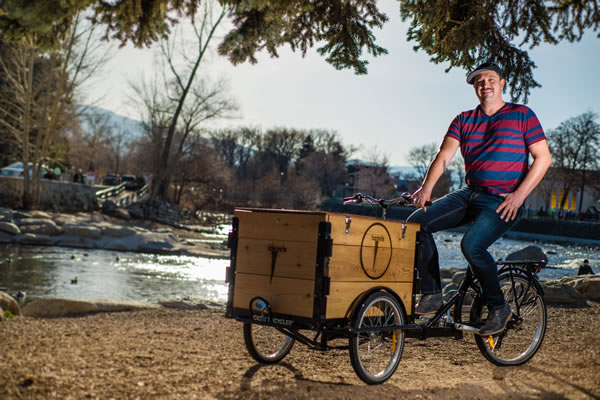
{"x":525,"y":331}
{"x":266,"y":344}
{"x":376,"y":351}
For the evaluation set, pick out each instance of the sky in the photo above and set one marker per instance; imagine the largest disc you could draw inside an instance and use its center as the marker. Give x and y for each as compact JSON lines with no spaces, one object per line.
{"x":404,"y":101}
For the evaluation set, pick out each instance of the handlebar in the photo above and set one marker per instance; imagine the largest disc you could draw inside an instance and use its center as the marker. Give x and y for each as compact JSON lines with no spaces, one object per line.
{"x":404,"y":199}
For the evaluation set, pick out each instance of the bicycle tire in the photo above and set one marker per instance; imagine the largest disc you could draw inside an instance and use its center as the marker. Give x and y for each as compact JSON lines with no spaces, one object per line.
{"x":524,"y":333}
{"x":375,"y":355}
{"x":266,"y":344}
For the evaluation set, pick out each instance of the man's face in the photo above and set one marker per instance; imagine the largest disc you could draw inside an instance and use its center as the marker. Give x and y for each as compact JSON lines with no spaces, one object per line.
{"x":488,"y":86}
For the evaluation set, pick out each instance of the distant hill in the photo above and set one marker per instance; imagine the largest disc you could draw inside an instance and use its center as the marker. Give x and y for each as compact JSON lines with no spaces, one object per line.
{"x":113,"y":120}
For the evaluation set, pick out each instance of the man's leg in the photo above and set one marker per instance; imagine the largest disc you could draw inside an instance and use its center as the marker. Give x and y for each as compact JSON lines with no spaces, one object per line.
{"x":485,"y":229}
{"x":445,"y":213}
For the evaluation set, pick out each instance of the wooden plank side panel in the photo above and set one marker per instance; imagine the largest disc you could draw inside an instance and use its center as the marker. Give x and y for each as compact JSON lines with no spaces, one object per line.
{"x":279,"y":258}
{"x":275,"y":225}
{"x":286,"y":296}
{"x":343,"y":295}
{"x":345,"y":265}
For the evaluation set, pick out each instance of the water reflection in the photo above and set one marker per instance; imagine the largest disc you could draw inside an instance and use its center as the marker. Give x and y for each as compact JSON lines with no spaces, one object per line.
{"x":100,"y":274}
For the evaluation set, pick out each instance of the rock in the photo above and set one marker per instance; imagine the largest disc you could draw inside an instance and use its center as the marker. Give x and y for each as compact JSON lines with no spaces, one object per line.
{"x":135,"y":211}
{"x":33,"y":221}
{"x":5,"y":238}
{"x":50,"y":308}
{"x":458,"y":276}
{"x":21,"y":214}
{"x":587,"y":285}
{"x":109,"y":207}
{"x":119,"y":245}
{"x":449,"y":290}
{"x":9,"y":303}
{"x":40,"y":214}
{"x":36,"y":239}
{"x":9,"y":227}
{"x":445,"y":273}
{"x":556,"y":292}
{"x":48,"y":228}
{"x":74,"y":241}
{"x":117,"y":231}
{"x":528,"y":253}
{"x":64,"y":219}
{"x":122,"y":214}
{"x":91,"y":232}
{"x":2,"y":316}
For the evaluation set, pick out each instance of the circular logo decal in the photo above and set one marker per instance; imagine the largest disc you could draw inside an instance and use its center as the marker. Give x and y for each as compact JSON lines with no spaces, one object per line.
{"x":376,"y":251}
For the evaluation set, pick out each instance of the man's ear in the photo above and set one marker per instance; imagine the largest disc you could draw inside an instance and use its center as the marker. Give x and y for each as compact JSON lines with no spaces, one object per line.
{"x":502,"y":82}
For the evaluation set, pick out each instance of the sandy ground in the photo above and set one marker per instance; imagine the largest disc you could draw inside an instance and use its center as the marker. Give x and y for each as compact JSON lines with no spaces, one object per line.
{"x":174,"y":354}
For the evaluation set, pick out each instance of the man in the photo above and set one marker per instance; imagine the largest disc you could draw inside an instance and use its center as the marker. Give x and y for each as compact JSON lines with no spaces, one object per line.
{"x":495,"y":140}
{"x":585,"y":268}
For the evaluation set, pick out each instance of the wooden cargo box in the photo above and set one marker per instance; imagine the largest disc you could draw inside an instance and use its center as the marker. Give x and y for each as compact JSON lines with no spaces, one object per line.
{"x":314,"y":265}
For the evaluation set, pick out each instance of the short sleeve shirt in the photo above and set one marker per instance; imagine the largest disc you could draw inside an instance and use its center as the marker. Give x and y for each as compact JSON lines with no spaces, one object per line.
{"x":495,"y":148}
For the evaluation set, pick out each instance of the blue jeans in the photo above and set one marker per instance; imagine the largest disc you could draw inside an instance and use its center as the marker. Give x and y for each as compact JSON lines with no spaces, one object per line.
{"x":476,"y":208}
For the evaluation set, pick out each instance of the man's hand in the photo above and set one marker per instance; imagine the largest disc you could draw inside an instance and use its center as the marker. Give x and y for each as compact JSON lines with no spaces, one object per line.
{"x":421,"y":196}
{"x":510,"y":206}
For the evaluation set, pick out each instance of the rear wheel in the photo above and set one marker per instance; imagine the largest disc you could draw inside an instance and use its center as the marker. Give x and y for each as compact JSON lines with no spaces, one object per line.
{"x":376,"y":352}
{"x":266,"y":344}
{"x":525,"y":331}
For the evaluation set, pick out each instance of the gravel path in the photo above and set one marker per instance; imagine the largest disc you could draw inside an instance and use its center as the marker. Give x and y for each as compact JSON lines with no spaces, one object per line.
{"x":173,"y":354}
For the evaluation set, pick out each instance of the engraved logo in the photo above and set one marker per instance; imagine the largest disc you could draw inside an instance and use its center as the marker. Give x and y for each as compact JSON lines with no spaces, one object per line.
{"x":376,"y":251}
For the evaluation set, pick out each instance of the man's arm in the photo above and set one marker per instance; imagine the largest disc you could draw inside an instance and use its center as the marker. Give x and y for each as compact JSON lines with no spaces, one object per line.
{"x":436,"y":169}
{"x":541,"y":162}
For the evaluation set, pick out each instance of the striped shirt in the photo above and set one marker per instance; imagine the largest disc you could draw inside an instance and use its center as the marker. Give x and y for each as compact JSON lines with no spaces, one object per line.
{"x":495,"y":148}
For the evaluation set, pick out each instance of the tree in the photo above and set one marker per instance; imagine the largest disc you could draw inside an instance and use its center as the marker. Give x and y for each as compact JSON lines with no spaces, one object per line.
{"x":281,"y":147}
{"x":420,"y":158}
{"x":460,"y":32}
{"x":575,"y":147}
{"x":38,"y":103}
{"x":183,"y":102}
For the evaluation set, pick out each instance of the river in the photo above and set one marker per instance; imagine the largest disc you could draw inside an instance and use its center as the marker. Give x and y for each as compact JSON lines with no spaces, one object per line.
{"x":45,"y":272}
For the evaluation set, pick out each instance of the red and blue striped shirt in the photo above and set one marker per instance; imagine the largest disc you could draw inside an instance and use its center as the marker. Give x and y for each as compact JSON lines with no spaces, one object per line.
{"x":495,"y":148}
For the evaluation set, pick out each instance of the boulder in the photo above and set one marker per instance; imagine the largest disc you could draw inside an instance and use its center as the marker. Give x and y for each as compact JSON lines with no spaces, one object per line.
{"x":9,"y":227}
{"x":2,"y":316}
{"x":458,"y":276}
{"x":587,"y":285}
{"x":33,"y":221}
{"x":556,"y":292}
{"x":108,"y":207}
{"x":445,"y":273}
{"x":21,"y":214}
{"x":528,"y":253}
{"x":36,"y":239}
{"x":88,"y":231}
{"x":48,"y":228}
{"x":5,"y":238}
{"x":40,"y":214}
{"x":74,"y":241}
{"x":117,"y":231}
{"x":122,"y":214}
{"x":7,"y":302}
{"x":50,"y":308}
{"x":135,"y":211}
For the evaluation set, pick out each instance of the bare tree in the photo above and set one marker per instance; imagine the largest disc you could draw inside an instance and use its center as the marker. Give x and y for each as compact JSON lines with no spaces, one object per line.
{"x":187,"y":101}
{"x":420,"y":157}
{"x":575,"y":147}
{"x":41,"y":104}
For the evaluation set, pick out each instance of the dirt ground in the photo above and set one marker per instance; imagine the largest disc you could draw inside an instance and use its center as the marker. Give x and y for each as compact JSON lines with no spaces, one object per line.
{"x":174,"y":354}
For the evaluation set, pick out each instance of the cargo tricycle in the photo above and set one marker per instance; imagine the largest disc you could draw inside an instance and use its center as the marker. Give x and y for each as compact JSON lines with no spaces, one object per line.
{"x":312,"y":277}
